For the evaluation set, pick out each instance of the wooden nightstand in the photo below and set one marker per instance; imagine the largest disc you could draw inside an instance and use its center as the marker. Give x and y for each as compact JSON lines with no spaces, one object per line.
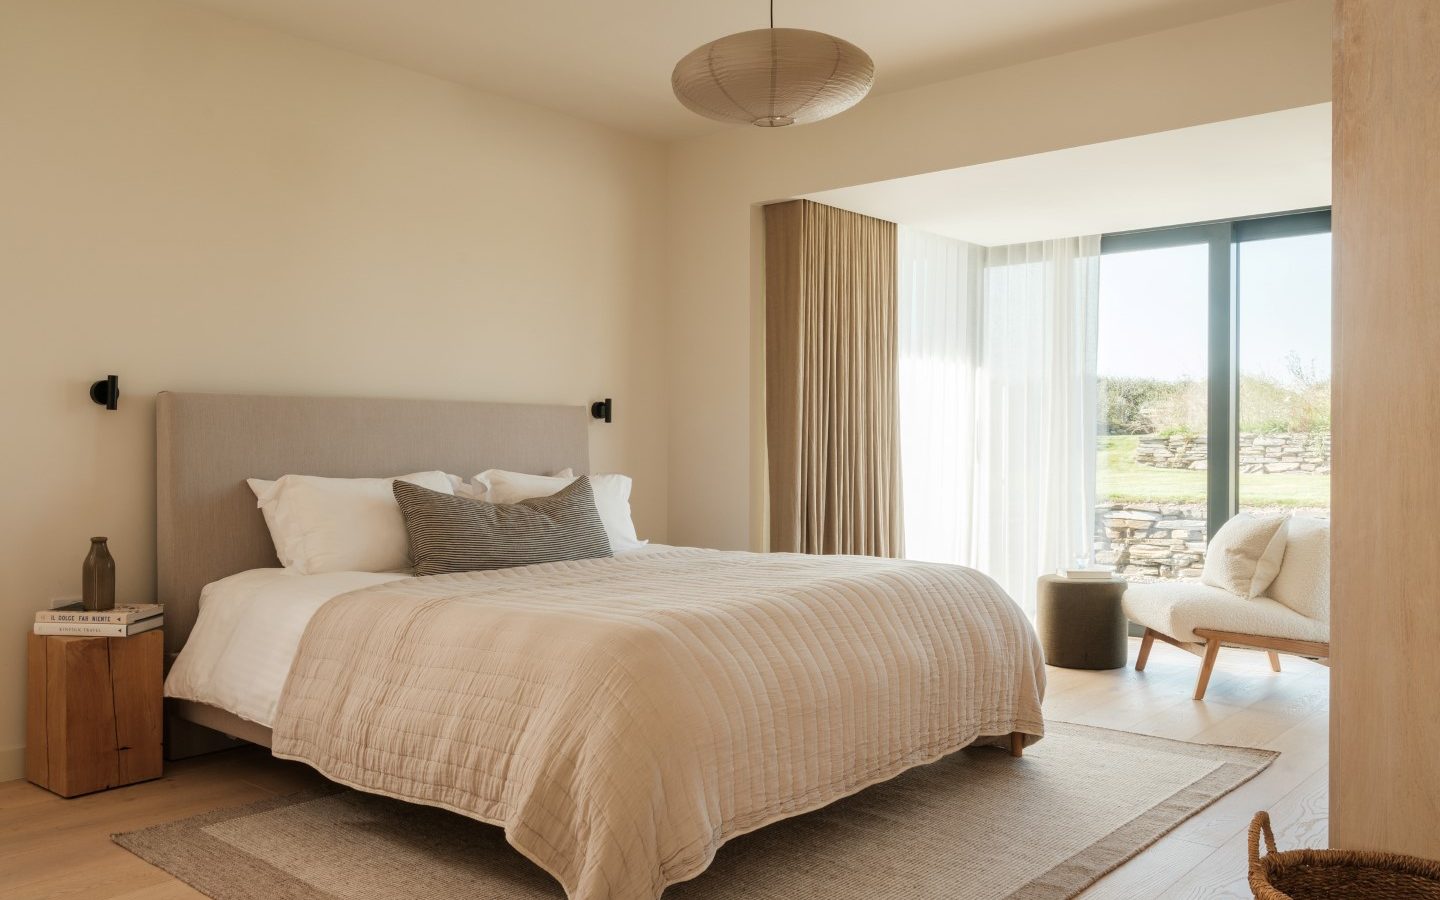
{"x":95,"y":711}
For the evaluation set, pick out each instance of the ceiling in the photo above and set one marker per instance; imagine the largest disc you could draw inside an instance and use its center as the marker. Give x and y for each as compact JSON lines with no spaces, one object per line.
{"x":1242,"y":167}
{"x":610,"y":61}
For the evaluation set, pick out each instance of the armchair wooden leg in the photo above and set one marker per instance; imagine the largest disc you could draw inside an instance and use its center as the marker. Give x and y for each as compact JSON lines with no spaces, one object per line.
{"x":1274,"y":661}
{"x":1017,"y":744}
{"x":1146,"y":643}
{"x":1212,"y":650}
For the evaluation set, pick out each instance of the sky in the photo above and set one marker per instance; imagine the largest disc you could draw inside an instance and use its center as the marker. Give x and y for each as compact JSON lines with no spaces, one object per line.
{"x":1153,"y":309}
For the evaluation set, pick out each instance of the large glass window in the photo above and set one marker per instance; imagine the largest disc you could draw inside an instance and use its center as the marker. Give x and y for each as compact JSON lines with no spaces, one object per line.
{"x":1214,"y":385}
{"x":1153,"y":363}
{"x":1283,"y":302}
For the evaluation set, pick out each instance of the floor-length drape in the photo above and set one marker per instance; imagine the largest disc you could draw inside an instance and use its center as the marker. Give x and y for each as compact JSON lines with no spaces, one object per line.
{"x":831,"y":381}
{"x":998,"y":403}
{"x":1037,"y":454}
{"x":939,"y":339}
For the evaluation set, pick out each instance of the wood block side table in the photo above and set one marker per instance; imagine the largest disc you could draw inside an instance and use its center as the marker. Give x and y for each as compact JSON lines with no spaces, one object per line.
{"x":94,"y":711}
{"x":1081,"y":622}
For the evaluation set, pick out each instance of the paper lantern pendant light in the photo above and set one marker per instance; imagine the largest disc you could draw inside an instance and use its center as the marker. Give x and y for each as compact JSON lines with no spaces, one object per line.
{"x":773,"y":76}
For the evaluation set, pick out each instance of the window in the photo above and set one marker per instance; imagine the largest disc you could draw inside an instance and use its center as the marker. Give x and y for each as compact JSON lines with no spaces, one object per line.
{"x":1214,"y":385}
{"x":1153,"y":367}
{"x":1283,"y":293}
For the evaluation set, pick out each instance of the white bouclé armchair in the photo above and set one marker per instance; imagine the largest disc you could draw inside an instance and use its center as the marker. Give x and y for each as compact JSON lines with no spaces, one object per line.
{"x":1291,"y":616}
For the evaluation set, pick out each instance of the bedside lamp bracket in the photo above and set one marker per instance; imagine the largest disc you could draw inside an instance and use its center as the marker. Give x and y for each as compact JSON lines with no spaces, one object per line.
{"x":106,"y":393}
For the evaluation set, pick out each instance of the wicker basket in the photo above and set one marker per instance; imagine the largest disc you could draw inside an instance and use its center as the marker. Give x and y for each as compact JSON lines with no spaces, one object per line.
{"x":1361,"y":874}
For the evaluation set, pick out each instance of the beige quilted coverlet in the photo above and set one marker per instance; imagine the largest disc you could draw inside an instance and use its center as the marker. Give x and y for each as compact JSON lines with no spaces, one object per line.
{"x":622,"y":718}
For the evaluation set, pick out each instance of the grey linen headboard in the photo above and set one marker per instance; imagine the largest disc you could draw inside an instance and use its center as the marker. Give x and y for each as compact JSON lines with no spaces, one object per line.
{"x":207,"y":524}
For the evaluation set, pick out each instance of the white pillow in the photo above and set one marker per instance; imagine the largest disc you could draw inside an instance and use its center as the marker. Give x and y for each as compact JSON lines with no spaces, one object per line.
{"x":459,"y":486}
{"x":475,"y":490}
{"x":1304,"y":580}
{"x":612,"y":499}
{"x":339,"y":524}
{"x":1245,"y":554}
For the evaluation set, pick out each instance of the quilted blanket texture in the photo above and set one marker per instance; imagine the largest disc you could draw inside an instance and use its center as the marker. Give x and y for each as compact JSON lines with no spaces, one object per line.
{"x":622,"y":718}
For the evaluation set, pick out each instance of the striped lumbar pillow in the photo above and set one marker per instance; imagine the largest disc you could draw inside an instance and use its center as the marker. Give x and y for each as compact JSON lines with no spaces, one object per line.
{"x":459,"y":534}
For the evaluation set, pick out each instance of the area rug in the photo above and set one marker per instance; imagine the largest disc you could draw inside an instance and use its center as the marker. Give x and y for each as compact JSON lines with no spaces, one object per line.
{"x":977,"y":824}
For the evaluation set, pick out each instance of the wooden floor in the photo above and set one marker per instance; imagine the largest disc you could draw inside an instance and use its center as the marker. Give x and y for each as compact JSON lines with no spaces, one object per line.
{"x":1247,"y":705}
{"x":52,"y":848}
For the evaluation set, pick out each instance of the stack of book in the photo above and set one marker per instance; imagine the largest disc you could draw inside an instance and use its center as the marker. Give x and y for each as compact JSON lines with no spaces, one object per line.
{"x":122,"y":621}
{"x":1090,"y":573}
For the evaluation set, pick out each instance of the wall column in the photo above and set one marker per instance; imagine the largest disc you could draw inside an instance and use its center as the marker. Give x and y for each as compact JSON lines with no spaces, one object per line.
{"x":1385,"y":628}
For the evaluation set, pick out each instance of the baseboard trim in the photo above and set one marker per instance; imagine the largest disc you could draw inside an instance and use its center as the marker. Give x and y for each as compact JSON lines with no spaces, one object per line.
{"x":12,"y":763}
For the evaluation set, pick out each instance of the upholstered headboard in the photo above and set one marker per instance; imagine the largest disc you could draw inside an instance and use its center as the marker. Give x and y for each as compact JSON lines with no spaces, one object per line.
{"x":207,"y":524}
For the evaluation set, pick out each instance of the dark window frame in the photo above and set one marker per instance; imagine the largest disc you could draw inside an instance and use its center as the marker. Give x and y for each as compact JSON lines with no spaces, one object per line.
{"x":1223,"y":237}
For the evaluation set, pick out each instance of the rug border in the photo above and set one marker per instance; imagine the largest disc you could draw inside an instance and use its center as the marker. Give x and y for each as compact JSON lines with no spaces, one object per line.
{"x":1069,"y":877}
{"x":262,"y":881}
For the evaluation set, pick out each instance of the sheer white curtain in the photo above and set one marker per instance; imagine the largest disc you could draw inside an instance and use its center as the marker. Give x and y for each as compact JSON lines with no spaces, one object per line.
{"x":939,"y":337}
{"x":997,"y":403}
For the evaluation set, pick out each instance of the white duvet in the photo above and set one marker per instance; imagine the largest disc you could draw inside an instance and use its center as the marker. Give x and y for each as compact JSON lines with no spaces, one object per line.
{"x":243,"y":644}
{"x":244,"y":641}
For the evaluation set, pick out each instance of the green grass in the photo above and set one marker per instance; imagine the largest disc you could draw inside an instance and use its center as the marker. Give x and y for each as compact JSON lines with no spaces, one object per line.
{"x":1118,"y":477}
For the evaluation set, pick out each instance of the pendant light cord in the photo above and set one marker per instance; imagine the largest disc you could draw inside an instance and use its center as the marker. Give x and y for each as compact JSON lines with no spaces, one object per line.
{"x":772,"y":15}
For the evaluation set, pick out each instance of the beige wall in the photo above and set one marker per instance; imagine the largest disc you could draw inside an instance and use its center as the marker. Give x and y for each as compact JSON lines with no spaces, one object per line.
{"x":1385,"y":694}
{"x":196,"y":204}
{"x":1277,"y":57}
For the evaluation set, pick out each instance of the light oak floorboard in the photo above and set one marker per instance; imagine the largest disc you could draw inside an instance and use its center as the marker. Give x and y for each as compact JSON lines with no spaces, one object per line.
{"x":50,"y":847}
{"x":1247,"y":705}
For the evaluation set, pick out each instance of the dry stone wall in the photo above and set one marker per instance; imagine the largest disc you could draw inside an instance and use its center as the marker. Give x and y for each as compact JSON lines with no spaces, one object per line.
{"x":1163,"y":541}
{"x":1151,"y":541}
{"x":1259,"y":453}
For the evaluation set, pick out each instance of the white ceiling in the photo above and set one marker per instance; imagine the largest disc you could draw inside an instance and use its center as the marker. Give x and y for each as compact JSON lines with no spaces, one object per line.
{"x":610,"y":61}
{"x":1252,"y":166}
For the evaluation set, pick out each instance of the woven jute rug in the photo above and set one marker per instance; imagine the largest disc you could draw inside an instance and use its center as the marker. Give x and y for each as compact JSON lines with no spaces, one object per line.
{"x":977,"y":824}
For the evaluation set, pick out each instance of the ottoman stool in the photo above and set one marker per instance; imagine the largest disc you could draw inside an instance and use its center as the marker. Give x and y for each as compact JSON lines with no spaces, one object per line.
{"x":1081,"y":623}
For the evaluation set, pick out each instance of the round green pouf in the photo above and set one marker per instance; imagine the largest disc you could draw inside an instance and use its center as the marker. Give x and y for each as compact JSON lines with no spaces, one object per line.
{"x":1081,"y":623}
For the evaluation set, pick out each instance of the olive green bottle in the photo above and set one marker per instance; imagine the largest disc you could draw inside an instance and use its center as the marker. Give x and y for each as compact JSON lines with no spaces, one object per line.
{"x":98,"y":586}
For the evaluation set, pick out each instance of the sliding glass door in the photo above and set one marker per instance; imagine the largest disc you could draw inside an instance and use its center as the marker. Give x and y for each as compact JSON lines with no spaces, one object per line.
{"x":1153,"y":367}
{"x":1282,"y":288}
{"x":1214,"y":385}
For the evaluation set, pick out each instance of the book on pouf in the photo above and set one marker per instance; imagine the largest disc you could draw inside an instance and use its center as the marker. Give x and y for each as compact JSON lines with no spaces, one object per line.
{"x":1097,"y":573}
{"x":122,"y":621}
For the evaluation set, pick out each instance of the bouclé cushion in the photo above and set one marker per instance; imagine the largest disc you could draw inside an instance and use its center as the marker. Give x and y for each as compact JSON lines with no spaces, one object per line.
{"x":1245,"y":554}
{"x":1304,"y":580}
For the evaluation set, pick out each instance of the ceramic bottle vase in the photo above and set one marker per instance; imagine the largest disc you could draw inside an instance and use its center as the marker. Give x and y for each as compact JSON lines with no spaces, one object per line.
{"x":98,"y":583}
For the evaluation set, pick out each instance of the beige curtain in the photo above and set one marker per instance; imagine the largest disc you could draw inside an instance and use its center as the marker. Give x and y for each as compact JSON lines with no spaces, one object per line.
{"x":831,"y":381}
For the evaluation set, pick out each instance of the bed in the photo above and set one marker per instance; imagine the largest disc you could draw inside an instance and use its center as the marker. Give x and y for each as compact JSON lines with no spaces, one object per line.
{"x":620,"y":718}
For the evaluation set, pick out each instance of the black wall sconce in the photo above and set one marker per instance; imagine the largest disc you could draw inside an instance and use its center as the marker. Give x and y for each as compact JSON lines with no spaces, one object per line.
{"x":106,"y":392}
{"x":603,"y":409}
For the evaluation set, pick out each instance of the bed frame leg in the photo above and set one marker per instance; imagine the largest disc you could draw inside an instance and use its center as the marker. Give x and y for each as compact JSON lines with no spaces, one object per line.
{"x":1017,"y":744}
